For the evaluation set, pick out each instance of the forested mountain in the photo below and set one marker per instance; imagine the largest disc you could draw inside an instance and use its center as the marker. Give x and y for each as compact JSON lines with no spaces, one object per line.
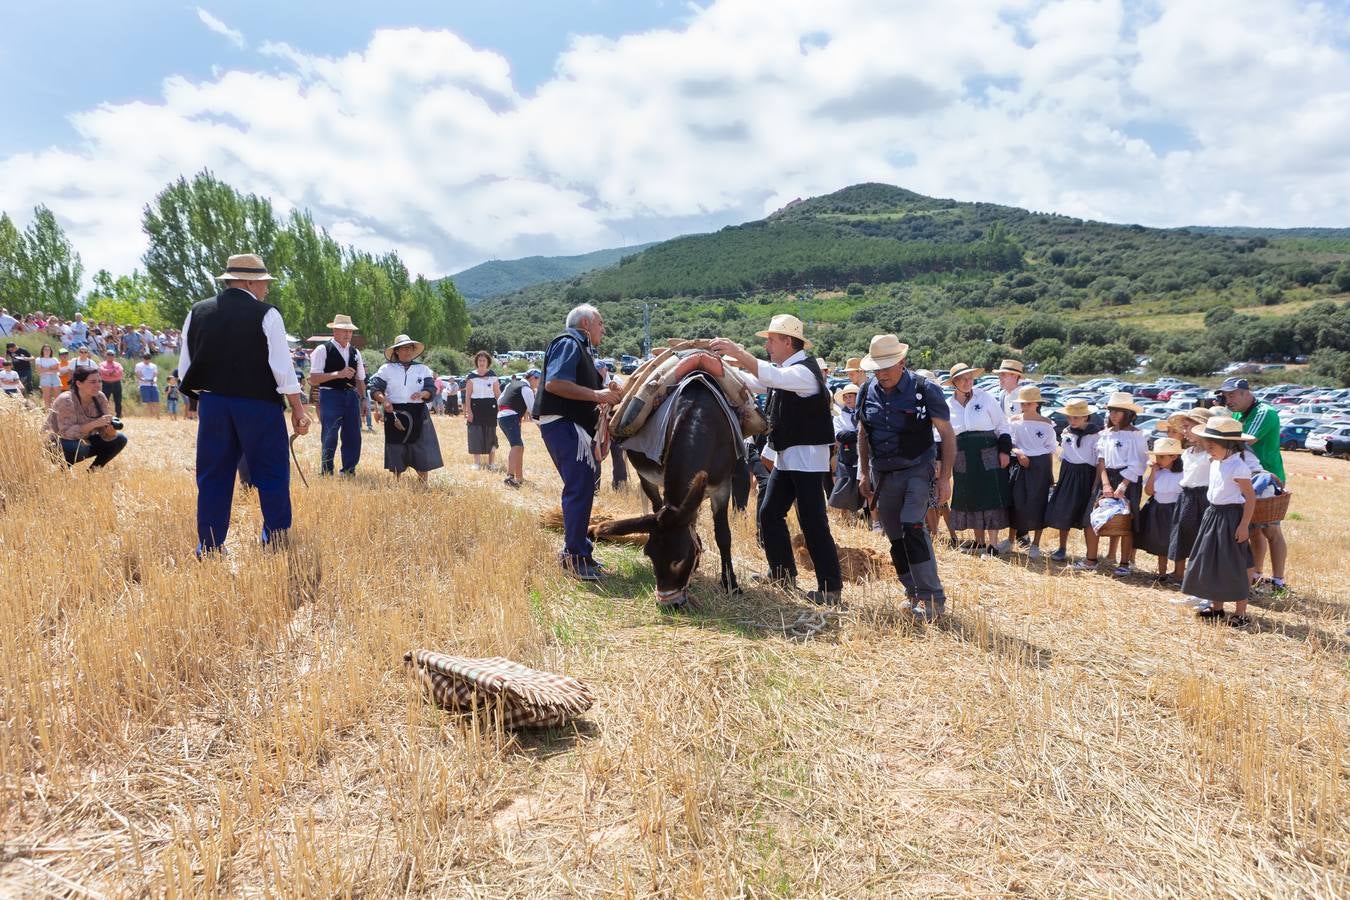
{"x":503,"y":276}
{"x":971,"y":281}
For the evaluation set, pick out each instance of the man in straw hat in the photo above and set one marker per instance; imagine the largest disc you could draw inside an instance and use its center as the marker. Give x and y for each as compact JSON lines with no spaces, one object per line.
{"x":336,"y":368}
{"x":568,"y":410}
{"x":897,"y":413}
{"x":1262,"y":422}
{"x":235,"y":358}
{"x":801,"y":432}
{"x":1010,"y":377}
{"x":853,"y":370}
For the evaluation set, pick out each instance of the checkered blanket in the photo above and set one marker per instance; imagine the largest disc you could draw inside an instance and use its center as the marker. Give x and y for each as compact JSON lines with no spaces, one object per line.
{"x":521,"y":697}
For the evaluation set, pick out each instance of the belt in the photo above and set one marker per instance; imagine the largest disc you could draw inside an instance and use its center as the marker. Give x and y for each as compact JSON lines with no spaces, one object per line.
{"x":325,"y":387}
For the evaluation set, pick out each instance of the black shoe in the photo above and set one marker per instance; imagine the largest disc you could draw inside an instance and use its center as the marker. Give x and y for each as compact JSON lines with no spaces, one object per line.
{"x":1239,"y":621}
{"x":825,"y":598}
{"x":1209,"y":612}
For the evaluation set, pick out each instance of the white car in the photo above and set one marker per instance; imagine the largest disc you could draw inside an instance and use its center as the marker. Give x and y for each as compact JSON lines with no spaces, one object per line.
{"x":1319,"y":437}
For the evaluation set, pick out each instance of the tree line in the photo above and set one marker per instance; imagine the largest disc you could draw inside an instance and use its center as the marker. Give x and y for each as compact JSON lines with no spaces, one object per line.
{"x":192,"y":227}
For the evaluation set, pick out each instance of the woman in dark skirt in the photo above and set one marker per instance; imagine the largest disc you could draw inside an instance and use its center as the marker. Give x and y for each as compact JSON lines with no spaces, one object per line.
{"x":980,"y":490}
{"x":1071,"y":500}
{"x":1032,"y":471}
{"x":1122,"y":453}
{"x":1162,"y":483}
{"x":1219,"y":569}
{"x":402,"y":387}
{"x":481,"y":390}
{"x":1191,"y":505}
{"x":844,"y":494}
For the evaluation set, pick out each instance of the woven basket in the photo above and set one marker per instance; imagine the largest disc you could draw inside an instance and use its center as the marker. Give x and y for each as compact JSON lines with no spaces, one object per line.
{"x":1272,"y":509}
{"x":1117,"y":526}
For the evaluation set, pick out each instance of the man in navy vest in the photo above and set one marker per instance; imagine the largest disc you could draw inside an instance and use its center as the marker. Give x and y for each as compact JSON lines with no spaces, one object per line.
{"x":801,"y":433}
{"x":897,"y":412}
{"x":336,"y":368}
{"x":568,"y":410}
{"x":235,"y":360}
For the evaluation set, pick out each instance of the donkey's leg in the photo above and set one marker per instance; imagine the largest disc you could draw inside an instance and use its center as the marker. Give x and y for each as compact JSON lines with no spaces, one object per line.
{"x":722,"y":530}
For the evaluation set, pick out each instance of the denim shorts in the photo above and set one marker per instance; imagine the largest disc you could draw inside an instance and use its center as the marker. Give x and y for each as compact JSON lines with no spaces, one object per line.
{"x":149,"y":394}
{"x":510,"y":426}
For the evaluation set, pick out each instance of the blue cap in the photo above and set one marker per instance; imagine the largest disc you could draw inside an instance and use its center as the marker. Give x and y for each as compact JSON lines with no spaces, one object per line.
{"x":1235,"y":384}
{"x":533,"y":373}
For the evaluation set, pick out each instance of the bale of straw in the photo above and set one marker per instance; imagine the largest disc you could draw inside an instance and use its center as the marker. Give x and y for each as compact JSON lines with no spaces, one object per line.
{"x":552,"y":519}
{"x":856,"y":564}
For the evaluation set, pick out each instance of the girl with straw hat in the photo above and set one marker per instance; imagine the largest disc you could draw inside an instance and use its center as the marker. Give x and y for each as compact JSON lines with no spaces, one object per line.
{"x":403,"y":388}
{"x":1122,"y":457}
{"x":1162,"y":483}
{"x":482,"y":390}
{"x":980,"y":488}
{"x":1072,"y":498}
{"x":1218,"y":569}
{"x":1033,"y":440}
{"x":844,"y":495}
{"x":1191,"y":505}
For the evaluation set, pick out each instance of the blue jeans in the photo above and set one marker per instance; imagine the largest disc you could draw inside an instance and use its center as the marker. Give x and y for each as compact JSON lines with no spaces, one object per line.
{"x":339,"y":416}
{"x":231,"y":428}
{"x":579,"y":480}
{"x":93,"y":446}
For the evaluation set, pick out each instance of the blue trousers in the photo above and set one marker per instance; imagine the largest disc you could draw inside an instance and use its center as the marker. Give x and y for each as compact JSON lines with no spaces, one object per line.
{"x":231,"y":428}
{"x":579,"y":481}
{"x":339,"y":416}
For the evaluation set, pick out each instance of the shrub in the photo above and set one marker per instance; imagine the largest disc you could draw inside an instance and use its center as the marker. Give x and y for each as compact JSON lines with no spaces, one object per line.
{"x":854,"y":289}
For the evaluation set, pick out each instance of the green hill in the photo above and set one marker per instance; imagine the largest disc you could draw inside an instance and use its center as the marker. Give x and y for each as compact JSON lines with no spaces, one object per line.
{"x":972,"y":281}
{"x":503,"y":276}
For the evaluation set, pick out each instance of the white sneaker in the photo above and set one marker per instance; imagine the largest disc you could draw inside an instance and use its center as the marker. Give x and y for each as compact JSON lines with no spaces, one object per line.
{"x":1003,"y":546}
{"x":474,"y":467}
{"x":1033,"y":552}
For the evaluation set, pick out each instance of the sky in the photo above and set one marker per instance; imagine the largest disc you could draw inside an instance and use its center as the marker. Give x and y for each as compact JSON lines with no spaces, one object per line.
{"x":459,"y":131}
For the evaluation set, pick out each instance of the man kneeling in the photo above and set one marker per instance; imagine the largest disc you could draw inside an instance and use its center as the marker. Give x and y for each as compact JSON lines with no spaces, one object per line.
{"x":897,"y":412}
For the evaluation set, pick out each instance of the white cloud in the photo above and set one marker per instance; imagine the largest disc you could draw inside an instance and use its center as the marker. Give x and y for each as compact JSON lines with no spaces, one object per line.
{"x":232,"y":35}
{"x":1167,"y":114}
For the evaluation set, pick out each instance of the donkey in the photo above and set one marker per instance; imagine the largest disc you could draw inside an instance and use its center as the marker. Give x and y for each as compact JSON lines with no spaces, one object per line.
{"x":700,"y":456}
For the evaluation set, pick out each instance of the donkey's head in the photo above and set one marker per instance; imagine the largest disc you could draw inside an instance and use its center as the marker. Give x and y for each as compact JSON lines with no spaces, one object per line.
{"x":673,"y":544}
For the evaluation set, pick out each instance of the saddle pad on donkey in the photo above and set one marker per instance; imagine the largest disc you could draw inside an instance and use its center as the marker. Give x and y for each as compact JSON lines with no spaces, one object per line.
{"x":521,"y":696}
{"x":650,"y":440}
{"x":653,"y":382}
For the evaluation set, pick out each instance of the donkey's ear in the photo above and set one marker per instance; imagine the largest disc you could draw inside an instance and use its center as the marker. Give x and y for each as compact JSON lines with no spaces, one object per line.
{"x":636,"y":525}
{"x":688,"y":510}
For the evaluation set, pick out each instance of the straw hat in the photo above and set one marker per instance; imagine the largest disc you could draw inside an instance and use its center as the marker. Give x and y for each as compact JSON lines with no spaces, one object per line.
{"x":843,"y":392}
{"x":1166,"y":447}
{"x":1182,"y":421}
{"x":1076,"y":407}
{"x":960,"y":369}
{"x":244,"y":267}
{"x":1011,"y":367}
{"x":403,"y":341}
{"x":1029,"y":394}
{"x":784,"y":324}
{"x":1124,"y":400}
{"x":1222,"y":428}
{"x":853,"y":364}
{"x":1222,"y":412}
{"x":341,"y":321}
{"x":926,"y":374}
{"x":884,"y":352}
{"x":822,"y":365}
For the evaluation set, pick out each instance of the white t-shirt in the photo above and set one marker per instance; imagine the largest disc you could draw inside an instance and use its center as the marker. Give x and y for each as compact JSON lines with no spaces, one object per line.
{"x":47,"y":365}
{"x":526,"y":394}
{"x":1166,"y":486}
{"x":480,"y":386}
{"x":147,"y":374}
{"x":1195,"y":466}
{"x":1224,"y":476}
{"x":10,"y":380}
{"x":1032,"y":437}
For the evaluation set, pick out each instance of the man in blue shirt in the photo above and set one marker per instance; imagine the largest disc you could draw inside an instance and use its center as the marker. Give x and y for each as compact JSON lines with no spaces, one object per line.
{"x":897,"y":414}
{"x":568,"y":410}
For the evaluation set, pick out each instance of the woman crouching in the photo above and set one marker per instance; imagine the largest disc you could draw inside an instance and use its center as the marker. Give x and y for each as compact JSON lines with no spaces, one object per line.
{"x":81,"y":423}
{"x":402,"y":387}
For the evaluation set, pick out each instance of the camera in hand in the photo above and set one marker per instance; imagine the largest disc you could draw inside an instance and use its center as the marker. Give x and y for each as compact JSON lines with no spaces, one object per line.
{"x":116,"y":423}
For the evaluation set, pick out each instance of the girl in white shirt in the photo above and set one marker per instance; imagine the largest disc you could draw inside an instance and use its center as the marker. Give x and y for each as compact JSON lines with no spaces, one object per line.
{"x":1122,"y":457}
{"x":1162,"y":482}
{"x":1033,"y":441}
{"x":1218,"y":570}
{"x":481,"y":390}
{"x":1072,"y":499}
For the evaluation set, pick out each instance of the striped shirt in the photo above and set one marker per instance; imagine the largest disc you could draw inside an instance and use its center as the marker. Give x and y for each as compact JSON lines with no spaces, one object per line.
{"x":1263,"y":423}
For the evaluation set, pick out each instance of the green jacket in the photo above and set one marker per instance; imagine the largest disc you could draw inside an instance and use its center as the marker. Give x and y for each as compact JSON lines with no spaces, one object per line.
{"x":1263,"y":423}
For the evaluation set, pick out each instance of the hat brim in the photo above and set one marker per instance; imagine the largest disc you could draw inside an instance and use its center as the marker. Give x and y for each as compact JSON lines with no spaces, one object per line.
{"x":1002,"y":371}
{"x":873,"y":363}
{"x":975,"y":373}
{"x":840,"y":394}
{"x":1064,"y":411}
{"x":243,"y":276}
{"x":1132,"y":407}
{"x":389,"y":351}
{"x":806,"y":344}
{"x":350,"y":327}
{"x":1241,"y":438}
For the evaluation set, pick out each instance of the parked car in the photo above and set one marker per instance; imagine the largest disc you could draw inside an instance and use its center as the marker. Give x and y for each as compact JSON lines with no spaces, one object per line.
{"x":1298,"y":421}
{"x":628,"y":363}
{"x":1324,"y":438}
{"x":1294,"y":437}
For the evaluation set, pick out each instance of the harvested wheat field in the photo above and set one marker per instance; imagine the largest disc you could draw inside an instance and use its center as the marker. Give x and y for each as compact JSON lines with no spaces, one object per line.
{"x":244,"y":726}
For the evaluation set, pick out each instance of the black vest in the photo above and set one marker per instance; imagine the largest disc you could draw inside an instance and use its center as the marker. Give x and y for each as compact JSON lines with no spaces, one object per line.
{"x":582,"y":412}
{"x":800,"y":421}
{"x":899,"y":429}
{"x":513,"y":398}
{"x":333,"y":361}
{"x":228,"y":350}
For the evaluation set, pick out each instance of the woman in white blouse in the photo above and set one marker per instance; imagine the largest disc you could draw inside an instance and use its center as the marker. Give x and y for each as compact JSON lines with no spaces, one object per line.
{"x":481,"y":390}
{"x":402,"y":388}
{"x":980,"y":489}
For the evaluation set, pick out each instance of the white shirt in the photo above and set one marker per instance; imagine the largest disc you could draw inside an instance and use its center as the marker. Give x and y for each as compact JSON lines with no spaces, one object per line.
{"x":47,"y":365}
{"x":845,"y":420}
{"x":799,"y":380}
{"x":319,"y":358}
{"x":1126,"y":450}
{"x":402,"y":382}
{"x":147,"y":374}
{"x":1224,"y":476}
{"x":480,"y":386}
{"x":526,"y":394}
{"x":278,"y":353}
{"x":1031,"y":437}
{"x":1008,"y":400}
{"x":981,"y":413}
{"x":79,"y":331}
{"x":1166,"y":486}
{"x":10,"y":380}
{"x":7,"y":323}
{"x":1195,"y":465}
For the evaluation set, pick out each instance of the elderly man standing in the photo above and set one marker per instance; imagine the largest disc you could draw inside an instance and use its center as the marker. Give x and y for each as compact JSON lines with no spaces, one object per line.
{"x":568,"y":410}
{"x":336,"y":368}
{"x":801,"y":432}
{"x":897,"y":414}
{"x":1261,"y":421}
{"x":234,"y":356}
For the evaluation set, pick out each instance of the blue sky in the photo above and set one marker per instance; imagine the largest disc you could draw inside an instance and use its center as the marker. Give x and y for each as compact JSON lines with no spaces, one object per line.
{"x":456,"y":132}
